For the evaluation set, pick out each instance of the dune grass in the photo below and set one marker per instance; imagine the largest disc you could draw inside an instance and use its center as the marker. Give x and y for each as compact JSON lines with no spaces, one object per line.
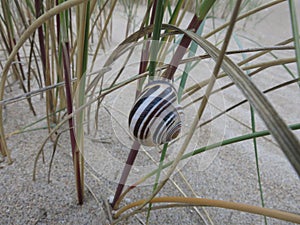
{"x":66,"y":38}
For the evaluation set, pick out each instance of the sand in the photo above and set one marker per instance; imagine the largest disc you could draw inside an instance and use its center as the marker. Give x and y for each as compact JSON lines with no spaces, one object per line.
{"x":227,"y":173}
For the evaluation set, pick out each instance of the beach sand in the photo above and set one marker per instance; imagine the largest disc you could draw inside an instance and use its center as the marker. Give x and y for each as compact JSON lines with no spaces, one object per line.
{"x":226,"y":173}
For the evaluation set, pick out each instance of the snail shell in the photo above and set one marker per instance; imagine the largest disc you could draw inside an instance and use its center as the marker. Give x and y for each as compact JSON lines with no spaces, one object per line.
{"x":156,"y":117}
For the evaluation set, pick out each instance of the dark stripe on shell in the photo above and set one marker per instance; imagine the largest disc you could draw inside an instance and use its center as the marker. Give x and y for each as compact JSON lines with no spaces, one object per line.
{"x":140,"y":102}
{"x":163,"y":105}
{"x":156,"y":113}
{"x":149,"y":107}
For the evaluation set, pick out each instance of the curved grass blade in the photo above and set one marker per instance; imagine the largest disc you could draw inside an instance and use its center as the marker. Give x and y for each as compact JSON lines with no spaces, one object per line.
{"x":245,"y":15}
{"x":203,"y":103}
{"x":161,"y":161}
{"x":285,"y":138}
{"x":281,"y":215}
{"x":26,"y":35}
{"x":254,"y":139}
{"x":210,"y":147}
{"x":188,"y":67}
{"x":185,"y":41}
{"x":55,"y":144}
{"x":253,"y":98}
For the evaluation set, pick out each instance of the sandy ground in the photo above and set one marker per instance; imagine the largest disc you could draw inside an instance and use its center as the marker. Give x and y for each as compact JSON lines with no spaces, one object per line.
{"x":227,"y":173}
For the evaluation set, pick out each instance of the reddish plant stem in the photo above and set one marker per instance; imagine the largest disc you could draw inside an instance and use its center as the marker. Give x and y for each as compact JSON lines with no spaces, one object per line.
{"x":45,"y":64}
{"x":22,"y":78}
{"x":130,"y":160}
{"x":181,"y":50}
{"x":68,"y":91}
{"x":145,"y":52}
{"x":58,"y":26}
{"x":135,"y":146}
{"x":38,"y":11}
{"x":18,"y":67}
{"x":75,"y":151}
{"x":171,"y":69}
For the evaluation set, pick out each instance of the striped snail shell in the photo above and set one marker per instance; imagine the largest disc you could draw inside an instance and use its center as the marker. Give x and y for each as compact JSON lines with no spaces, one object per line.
{"x":156,"y":117}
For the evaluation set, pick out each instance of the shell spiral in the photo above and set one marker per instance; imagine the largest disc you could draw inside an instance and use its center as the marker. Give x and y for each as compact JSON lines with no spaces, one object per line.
{"x":156,"y":117}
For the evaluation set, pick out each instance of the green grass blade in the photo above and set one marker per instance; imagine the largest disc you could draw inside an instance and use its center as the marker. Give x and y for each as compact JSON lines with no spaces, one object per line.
{"x":159,"y":13}
{"x":257,"y":161}
{"x":254,"y":139}
{"x":203,"y":103}
{"x":188,"y":67}
{"x":160,"y":168}
{"x":174,"y":17}
{"x":285,"y":138}
{"x":203,"y":8}
{"x":216,"y":145}
{"x":295,"y":33}
{"x":30,"y":6}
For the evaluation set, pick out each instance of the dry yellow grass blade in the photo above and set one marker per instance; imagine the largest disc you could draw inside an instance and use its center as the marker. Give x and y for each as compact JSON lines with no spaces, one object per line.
{"x":283,"y":135}
{"x":286,"y":216}
{"x":28,"y":32}
{"x":278,"y":128}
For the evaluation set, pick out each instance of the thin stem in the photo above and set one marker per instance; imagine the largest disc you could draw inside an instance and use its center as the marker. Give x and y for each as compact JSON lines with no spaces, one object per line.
{"x":245,"y":15}
{"x":160,"y":168}
{"x":130,"y":160}
{"x":186,"y":40}
{"x":158,"y":6}
{"x":210,"y":147}
{"x":295,"y":33}
{"x":135,"y":146}
{"x":257,"y":162}
{"x":66,"y":61}
{"x":282,"y":215}
{"x":202,"y":106}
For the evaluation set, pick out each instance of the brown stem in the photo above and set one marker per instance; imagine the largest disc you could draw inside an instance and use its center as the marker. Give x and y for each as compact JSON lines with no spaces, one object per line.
{"x":130,"y":160}
{"x":194,"y":24}
{"x":38,"y":11}
{"x":185,"y":42}
{"x":41,"y":37}
{"x":135,"y":146}
{"x":75,"y":151}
